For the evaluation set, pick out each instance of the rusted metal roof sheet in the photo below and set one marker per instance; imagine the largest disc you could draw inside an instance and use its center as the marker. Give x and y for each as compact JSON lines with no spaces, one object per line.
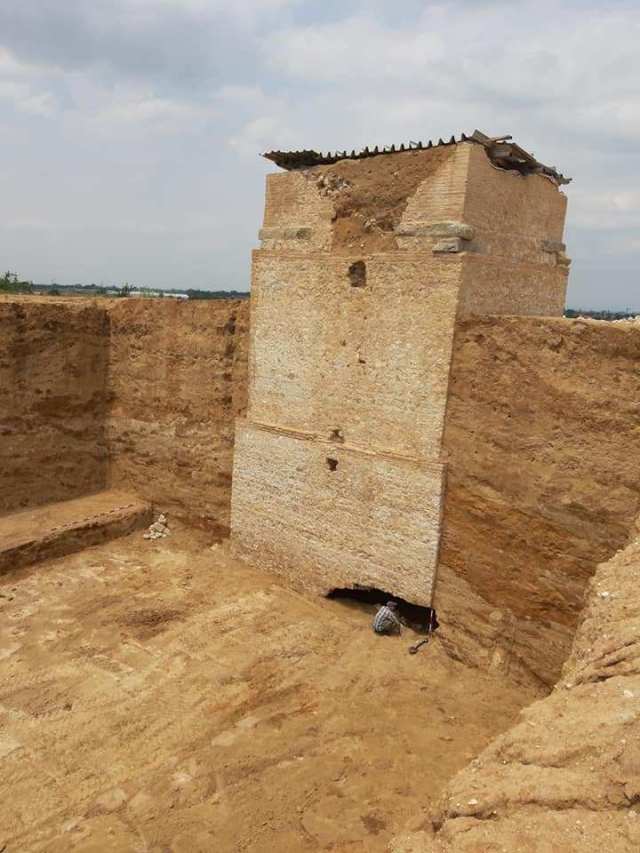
{"x":501,"y":151}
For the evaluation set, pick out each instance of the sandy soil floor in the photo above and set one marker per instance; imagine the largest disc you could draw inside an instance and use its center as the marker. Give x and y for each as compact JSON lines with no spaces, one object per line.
{"x":163,"y":697}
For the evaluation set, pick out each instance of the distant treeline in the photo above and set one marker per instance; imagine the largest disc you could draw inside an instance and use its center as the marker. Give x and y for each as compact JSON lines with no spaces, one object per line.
{"x":599,"y":315}
{"x":11,"y":283}
{"x":217,"y":294}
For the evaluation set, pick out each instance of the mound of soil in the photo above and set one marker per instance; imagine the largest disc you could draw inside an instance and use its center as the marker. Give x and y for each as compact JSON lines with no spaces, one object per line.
{"x":371,"y":195}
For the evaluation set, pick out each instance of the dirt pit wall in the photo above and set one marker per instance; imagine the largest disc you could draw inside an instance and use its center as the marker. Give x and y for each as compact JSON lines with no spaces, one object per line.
{"x":136,"y":394}
{"x":566,"y":777}
{"x":541,"y":442}
{"x":53,"y":401}
{"x":543,"y":483}
{"x":177,"y":382}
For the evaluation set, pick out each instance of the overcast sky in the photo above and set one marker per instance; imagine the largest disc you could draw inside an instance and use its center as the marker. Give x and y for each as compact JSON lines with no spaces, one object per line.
{"x":130,"y":129}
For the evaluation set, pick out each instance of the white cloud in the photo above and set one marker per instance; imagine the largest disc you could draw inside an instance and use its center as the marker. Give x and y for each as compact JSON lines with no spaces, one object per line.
{"x":256,"y":136}
{"x":159,"y":108}
{"x":250,"y":96}
{"x":25,"y":99}
{"x":608,"y":209}
{"x":161,"y":115}
{"x":353,"y":50}
{"x":23,"y":88}
{"x":579,"y":67}
{"x":9,"y":65}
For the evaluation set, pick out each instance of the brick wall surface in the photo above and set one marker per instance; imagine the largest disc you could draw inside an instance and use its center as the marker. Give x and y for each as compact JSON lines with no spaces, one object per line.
{"x":441,"y":197}
{"x":371,"y":361}
{"x":293,"y":203}
{"x":330,"y":516}
{"x":493,"y":285}
{"x":351,"y":342}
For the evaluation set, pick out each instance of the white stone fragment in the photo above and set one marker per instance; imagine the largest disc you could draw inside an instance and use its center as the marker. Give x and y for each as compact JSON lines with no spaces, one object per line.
{"x":158,"y":529}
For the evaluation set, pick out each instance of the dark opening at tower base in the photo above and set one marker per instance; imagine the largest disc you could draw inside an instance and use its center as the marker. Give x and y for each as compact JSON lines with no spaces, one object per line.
{"x":420,"y":619}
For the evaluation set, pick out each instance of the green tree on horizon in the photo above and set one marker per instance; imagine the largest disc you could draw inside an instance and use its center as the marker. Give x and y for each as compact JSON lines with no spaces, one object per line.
{"x":10,"y":283}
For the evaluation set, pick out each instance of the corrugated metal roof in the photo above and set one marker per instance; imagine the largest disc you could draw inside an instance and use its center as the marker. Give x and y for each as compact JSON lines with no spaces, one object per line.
{"x":501,"y":150}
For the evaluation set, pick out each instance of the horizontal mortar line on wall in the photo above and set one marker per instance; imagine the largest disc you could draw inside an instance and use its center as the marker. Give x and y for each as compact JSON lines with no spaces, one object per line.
{"x":529,"y":236}
{"x":303,"y":435}
{"x":340,"y":257}
{"x":396,"y":256}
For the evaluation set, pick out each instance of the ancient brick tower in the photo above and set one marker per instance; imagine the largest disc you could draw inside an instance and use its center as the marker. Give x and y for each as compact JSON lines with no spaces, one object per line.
{"x":365,"y":265}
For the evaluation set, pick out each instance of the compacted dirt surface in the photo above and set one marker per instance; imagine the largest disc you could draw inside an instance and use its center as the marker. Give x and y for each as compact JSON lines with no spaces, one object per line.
{"x":61,"y":528}
{"x":161,"y":696}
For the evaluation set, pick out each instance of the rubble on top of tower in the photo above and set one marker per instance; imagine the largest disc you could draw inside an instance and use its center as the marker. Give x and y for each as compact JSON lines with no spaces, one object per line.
{"x":502,"y":152}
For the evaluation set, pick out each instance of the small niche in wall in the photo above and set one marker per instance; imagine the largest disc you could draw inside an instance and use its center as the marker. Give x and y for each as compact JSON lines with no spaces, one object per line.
{"x":336,"y":435}
{"x":332,"y":464}
{"x":358,"y":274}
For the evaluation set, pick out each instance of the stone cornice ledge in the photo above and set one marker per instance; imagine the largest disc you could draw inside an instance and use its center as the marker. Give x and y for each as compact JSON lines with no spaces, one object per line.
{"x":435,"y":229}
{"x":288,"y":233}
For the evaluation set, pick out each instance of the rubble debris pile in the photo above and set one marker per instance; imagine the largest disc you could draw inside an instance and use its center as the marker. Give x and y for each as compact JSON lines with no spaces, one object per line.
{"x":159,"y":529}
{"x":501,"y":151}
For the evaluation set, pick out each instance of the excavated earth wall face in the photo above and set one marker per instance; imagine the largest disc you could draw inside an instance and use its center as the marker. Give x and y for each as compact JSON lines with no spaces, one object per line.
{"x":540,"y":441}
{"x":363,"y":270}
{"x":567,"y":776}
{"x":177,"y":381}
{"x":53,"y":402}
{"x":137,"y":394}
{"x":543,"y":483}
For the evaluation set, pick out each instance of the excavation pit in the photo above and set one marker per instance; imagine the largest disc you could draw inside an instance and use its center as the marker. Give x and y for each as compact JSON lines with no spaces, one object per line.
{"x":162,"y":693}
